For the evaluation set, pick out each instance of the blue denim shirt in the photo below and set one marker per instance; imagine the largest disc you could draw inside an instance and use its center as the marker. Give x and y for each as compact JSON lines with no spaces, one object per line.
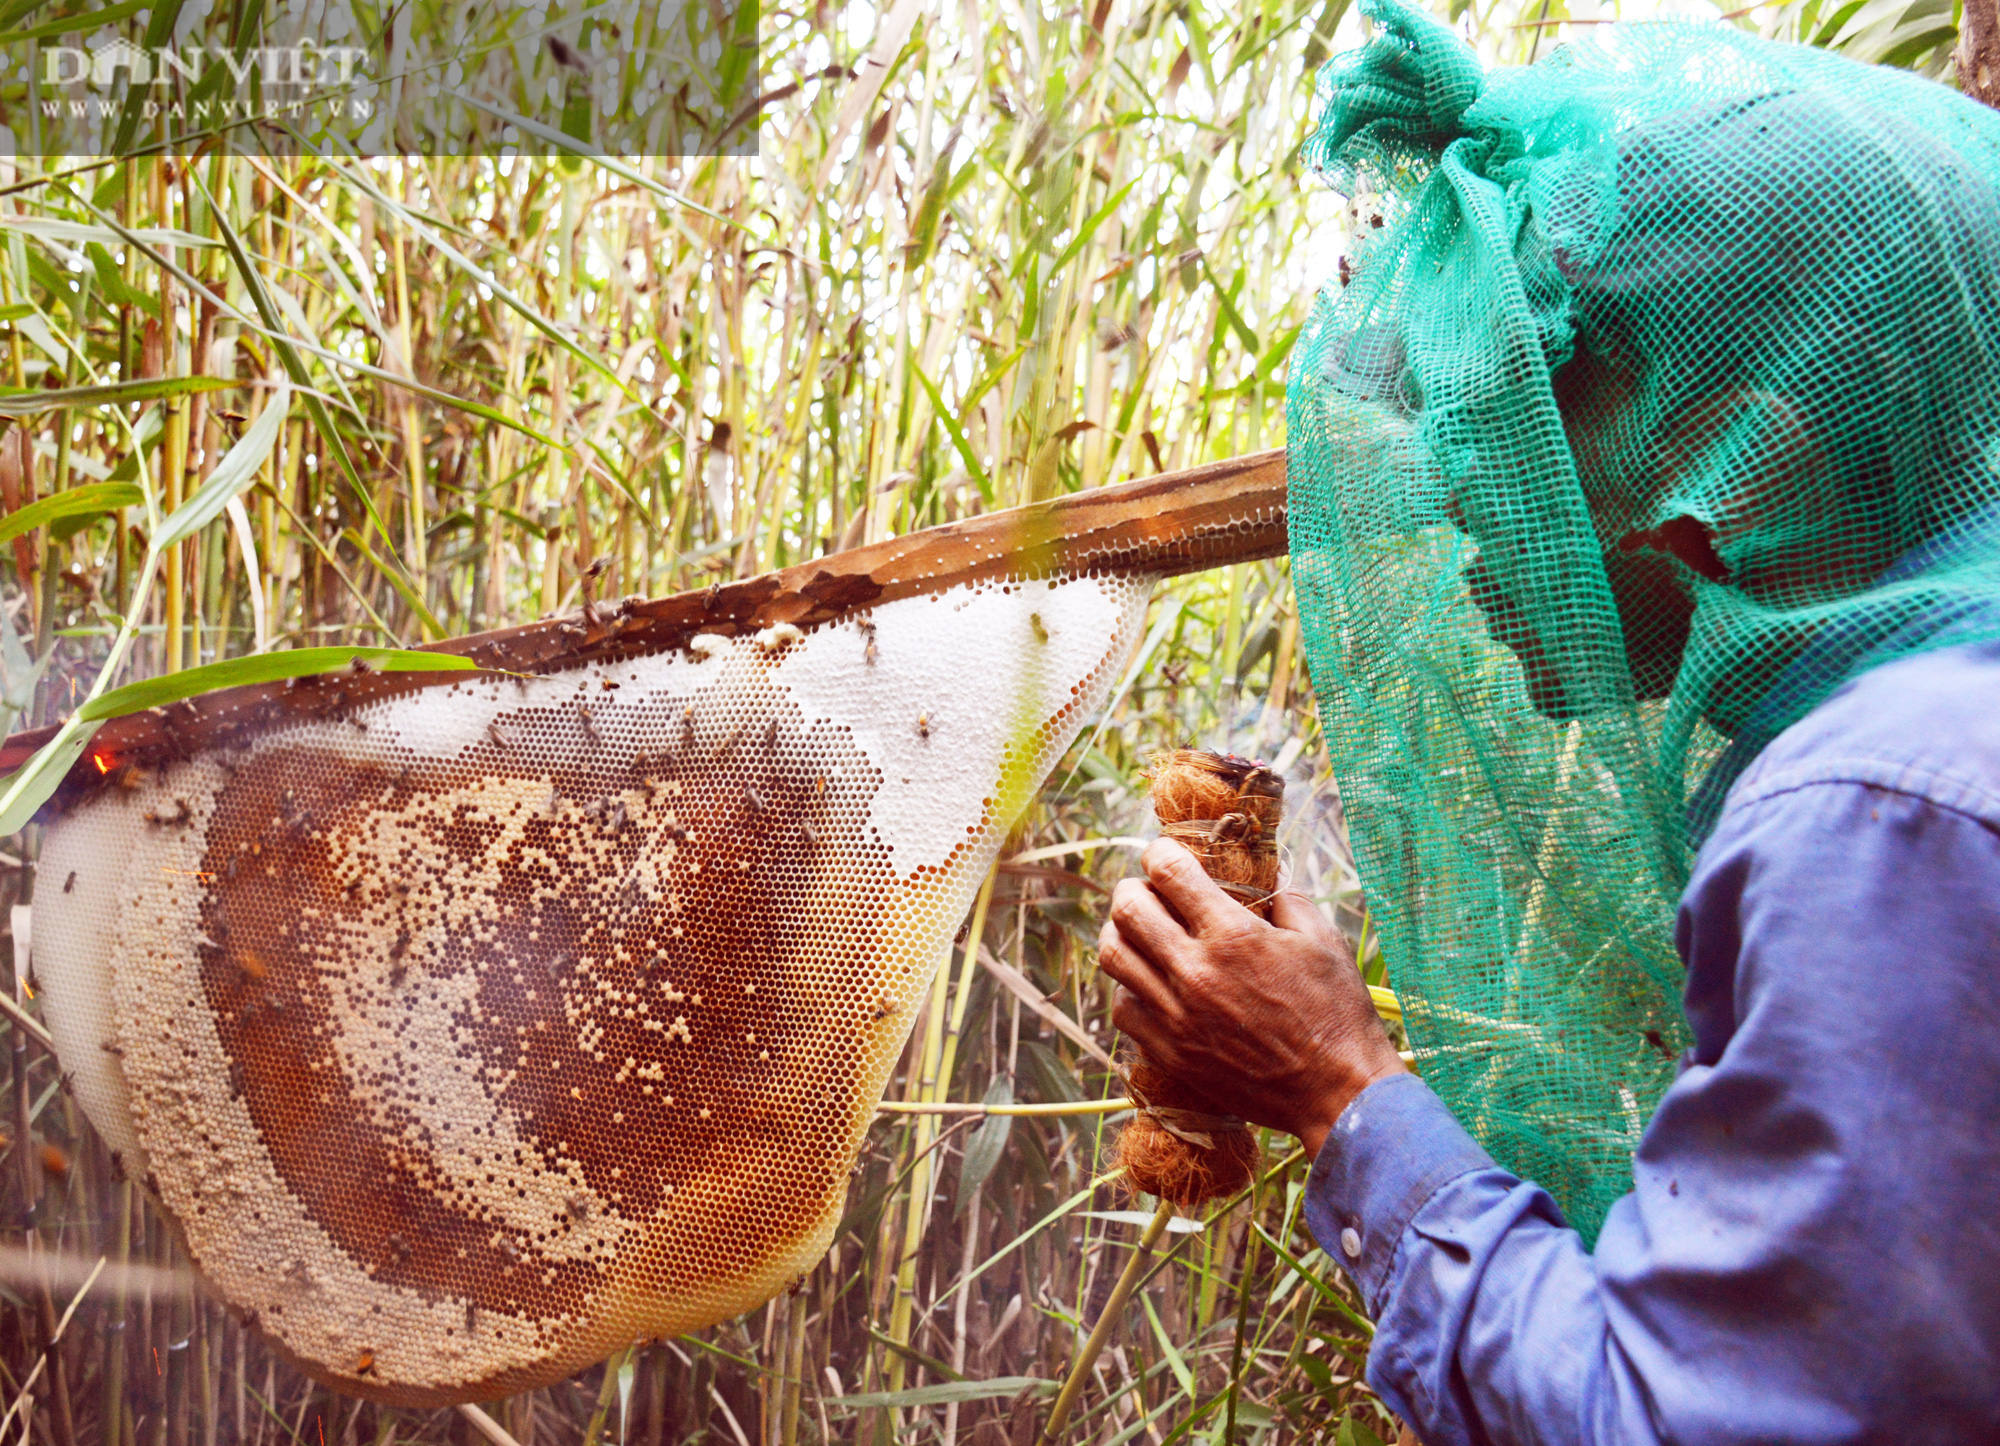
{"x":1811,"y":1248}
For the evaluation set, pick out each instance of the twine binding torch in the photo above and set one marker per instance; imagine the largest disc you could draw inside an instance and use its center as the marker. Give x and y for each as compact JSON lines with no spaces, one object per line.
{"x":1225,"y":810}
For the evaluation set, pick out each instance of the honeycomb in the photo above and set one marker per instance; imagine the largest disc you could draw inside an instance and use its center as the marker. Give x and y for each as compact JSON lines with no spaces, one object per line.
{"x":476,"y":1033}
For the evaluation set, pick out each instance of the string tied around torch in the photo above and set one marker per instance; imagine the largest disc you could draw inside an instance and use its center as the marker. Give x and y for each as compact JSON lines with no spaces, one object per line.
{"x":1195,"y":1127}
{"x":1245,"y":831}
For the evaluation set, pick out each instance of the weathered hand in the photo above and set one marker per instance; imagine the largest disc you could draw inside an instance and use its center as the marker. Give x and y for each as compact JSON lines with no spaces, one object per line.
{"x":1271,"y":1021}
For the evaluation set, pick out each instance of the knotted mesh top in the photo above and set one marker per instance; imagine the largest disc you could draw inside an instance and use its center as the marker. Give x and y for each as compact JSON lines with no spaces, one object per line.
{"x":1663,"y":400}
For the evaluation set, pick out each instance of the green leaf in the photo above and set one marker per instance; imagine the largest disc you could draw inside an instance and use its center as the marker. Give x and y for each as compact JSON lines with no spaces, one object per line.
{"x":295,"y":367}
{"x":915,"y":1357}
{"x":1057,"y":1083}
{"x":1089,"y":227}
{"x":29,"y":787}
{"x":931,"y":209}
{"x":31,"y":401}
{"x":1226,"y":298}
{"x":1311,"y":1277}
{"x":958,"y":437}
{"x":1179,"y":1225}
{"x":988,"y":1143}
{"x":577,"y":115}
{"x":91,"y":500}
{"x":235,"y":472}
{"x":1175,"y":1362}
{"x":18,"y":673}
{"x":160,"y":24}
{"x":84,"y":24}
{"x":1321,"y":1375}
{"x":263,"y":668}
{"x":13,"y":12}
{"x":1023,"y":1238}
{"x":1257,"y":1415}
{"x":1352,"y":1433}
{"x":51,"y":228}
{"x":394,"y":577}
{"x":945,"y":1392}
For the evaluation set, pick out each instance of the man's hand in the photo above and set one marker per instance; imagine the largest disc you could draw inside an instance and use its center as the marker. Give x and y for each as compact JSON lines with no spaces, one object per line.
{"x":1271,"y":1021}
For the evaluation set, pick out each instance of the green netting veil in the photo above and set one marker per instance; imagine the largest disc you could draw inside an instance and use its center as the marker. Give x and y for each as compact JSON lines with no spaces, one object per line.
{"x":1663,"y":400}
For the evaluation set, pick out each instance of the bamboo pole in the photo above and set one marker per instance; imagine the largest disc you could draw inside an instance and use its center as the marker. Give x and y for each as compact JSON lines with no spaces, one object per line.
{"x":1107,"y":1321}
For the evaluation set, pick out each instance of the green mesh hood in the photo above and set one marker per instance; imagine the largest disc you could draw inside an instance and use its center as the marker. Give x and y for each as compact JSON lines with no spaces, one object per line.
{"x":1673,"y":282}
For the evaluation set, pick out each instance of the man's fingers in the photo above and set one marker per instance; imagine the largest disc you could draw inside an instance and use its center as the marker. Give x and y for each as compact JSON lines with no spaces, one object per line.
{"x":1135,"y":972}
{"x":1147,"y":927}
{"x":1181,"y":881}
{"x":1132,"y":1017}
{"x":1293,"y":910}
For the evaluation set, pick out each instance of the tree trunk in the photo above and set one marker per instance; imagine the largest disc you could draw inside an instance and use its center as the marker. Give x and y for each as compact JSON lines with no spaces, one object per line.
{"x":1978,"y":56}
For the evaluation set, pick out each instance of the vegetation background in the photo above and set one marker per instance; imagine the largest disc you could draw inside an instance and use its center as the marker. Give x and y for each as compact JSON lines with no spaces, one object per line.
{"x":987,"y":254}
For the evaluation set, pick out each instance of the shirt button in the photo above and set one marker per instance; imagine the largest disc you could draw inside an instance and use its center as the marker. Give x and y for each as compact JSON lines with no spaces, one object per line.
{"x":1350,"y":1241}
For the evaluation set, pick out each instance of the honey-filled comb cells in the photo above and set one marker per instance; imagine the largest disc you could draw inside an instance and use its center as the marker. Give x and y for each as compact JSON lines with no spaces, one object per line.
{"x":472,"y":1032}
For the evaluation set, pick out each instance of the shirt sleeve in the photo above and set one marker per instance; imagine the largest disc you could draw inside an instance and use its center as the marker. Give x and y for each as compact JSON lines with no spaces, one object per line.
{"x":1809,"y":1253}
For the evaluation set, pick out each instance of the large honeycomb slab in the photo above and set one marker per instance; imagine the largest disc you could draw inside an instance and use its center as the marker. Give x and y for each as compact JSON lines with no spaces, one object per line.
{"x":481,"y":1030}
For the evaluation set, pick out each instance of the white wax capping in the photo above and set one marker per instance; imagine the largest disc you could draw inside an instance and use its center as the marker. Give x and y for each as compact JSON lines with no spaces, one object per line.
{"x":951,"y":687}
{"x":85,"y":860}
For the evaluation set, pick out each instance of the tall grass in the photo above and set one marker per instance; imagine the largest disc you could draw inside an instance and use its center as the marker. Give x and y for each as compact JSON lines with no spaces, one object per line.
{"x":987,"y":254}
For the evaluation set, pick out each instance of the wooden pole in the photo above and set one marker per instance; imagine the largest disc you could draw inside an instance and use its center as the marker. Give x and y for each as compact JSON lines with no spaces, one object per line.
{"x":1178,"y":522}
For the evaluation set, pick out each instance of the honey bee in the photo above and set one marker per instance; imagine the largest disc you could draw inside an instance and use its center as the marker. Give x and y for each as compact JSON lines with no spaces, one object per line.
{"x":179,"y":818}
{"x":924,"y":724}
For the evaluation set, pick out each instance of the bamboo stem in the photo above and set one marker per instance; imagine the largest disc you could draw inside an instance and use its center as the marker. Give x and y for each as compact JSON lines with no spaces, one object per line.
{"x":117,"y":1338}
{"x":1107,"y":1321}
{"x":974,"y":1107}
{"x":593,"y":1431}
{"x":795,"y":1366}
